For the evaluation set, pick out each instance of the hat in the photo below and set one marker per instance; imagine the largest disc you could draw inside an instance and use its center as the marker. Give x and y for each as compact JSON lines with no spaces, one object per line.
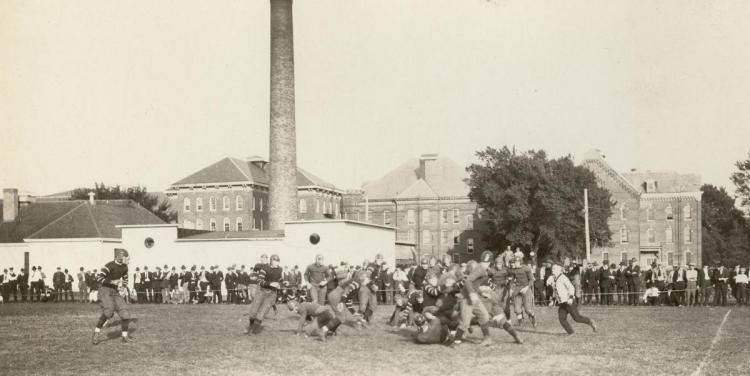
{"x":633,"y":259}
{"x":623,"y":263}
{"x":653,"y":264}
{"x":595,"y":263}
{"x":120,"y":253}
{"x":275,"y":257}
{"x":693,"y":264}
{"x":613,"y":266}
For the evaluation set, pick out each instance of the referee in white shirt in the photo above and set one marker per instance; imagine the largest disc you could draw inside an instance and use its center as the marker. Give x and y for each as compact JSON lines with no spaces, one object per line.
{"x":564,"y":293}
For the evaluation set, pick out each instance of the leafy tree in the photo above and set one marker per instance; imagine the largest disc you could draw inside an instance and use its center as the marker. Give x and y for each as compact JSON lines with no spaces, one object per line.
{"x":741,"y":180}
{"x":726,"y":233}
{"x":536,"y":203}
{"x":161,"y":208}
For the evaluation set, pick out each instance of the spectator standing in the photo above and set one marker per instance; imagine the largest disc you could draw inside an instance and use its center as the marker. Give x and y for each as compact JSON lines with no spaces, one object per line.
{"x":634,"y":282}
{"x":58,"y":283}
{"x":741,"y":281}
{"x":68,"y":286}
{"x":706,"y":287}
{"x":317,"y":276}
{"x":23,"y":284}
{"x":691,"y":277}
{"x":720,"y":277}
{"x":83,"y":289}
{"x":679,"y":284}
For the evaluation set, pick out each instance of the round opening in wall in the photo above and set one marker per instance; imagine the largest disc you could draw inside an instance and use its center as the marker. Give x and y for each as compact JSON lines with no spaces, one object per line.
{"x":149,"y":242}
{"x":314,"y":238}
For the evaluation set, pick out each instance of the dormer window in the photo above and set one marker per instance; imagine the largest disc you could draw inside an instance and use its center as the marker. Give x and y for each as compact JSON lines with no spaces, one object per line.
{"x":650,"y":186}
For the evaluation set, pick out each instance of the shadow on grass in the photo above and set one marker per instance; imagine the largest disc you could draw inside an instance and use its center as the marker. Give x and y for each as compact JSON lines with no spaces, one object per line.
{"x":555,"y":334}
{"x":111,"y":324}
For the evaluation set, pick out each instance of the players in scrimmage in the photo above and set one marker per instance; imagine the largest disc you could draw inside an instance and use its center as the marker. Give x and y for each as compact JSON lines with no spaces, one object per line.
{"x":113,"y":277}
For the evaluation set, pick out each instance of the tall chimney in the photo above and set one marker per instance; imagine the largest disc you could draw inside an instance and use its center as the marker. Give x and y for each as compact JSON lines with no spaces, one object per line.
{"x":10,"y":204}
{"x":428,"y":168}
{"x":283,"y":145}
{"x":91,"y":198}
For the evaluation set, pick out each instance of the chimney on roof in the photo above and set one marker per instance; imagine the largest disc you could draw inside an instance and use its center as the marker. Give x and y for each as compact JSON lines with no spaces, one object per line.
{"x":91,"y":198}
{"x":10,"y":204}
{"x":428,"y":168}
{"x":257,"y":161}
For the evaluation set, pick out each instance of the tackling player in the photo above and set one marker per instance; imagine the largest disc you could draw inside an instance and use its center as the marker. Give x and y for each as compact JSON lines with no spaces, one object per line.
{"x":314,"y":312}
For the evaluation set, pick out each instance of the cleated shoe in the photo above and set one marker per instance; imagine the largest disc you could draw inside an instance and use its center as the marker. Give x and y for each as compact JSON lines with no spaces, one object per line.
{"x":95,"y":339}
{"x":455,"y":344}
{"x":128,"y":339}
{"x":533,"y":321}
{"x":593,"y":326}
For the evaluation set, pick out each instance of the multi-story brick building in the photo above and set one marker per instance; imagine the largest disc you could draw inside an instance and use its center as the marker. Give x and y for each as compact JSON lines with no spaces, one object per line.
{"x":232,"y":195}
{"x":657,"y":215}
{"x":426,"y":200}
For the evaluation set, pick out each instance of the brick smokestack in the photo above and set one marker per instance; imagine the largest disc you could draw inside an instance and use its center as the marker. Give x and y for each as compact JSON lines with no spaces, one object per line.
{"x":10,"y":204}
{"x":283,"y":143}
{"x":428,"y":167}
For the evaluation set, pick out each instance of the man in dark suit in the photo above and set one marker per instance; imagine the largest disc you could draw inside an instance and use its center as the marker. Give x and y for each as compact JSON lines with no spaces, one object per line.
{"x":720,"y":278}
{"x":230,"y":281}
{"x":138,"y":285}
{"x":622,"y":284}
{"x":587,"y":284}
{"x":607,"y":283}
{"x":58,"y":283}
{"x":148,"y":284}
{"x":596,"y":275}
{"x":216,"y":278}
{"x":634,"y":282}
{"x":156,"y":278}
{"x":679,"y":283}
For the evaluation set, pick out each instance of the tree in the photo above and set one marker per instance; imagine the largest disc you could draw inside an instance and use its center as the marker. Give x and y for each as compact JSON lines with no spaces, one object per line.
{"x":536,"y":203}
{"x":726,"y":233}
{"x":741,"y":180}
{"x":161,"y":208}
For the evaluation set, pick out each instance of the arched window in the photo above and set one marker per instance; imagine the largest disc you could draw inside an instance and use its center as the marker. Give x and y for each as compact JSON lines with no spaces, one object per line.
{"x":688,"y":211}
{"x":238,"y":224}
{"x":410,"y":217}
{"x":186,"y":204}
{"x":426,"y":237}
{"x":225,"y":201}
{"x":239,"y":203}
{"x":303,"y":206}
{"x":212,"y":224}
{"x":669,"y":212}
{"x":212,"y":204}
{"x":469,"y":222}
{"x":226,"y":224}
{"x":668,"y":235}
{"x":688,"y":234}
{"x":605,"y":258}
{"x":649,"y":213}
{"x":199,"y":224}
{"x":670,"y":258}
{"x":456,"y":237}
{"x":470,"y":245}
{"x":623,"y":234}
{"x":444,"y":216}
{"x":456,"y":216}
{"x":688,"y":257}
{"x":199,"y":204}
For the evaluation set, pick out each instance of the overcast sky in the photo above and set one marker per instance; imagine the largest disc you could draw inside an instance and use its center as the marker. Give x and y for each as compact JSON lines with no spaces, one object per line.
{"x":147,"y":92}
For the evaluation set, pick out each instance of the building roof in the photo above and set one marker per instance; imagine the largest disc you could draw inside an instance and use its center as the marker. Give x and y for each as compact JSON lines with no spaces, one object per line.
{"x":228,"y":235}
{"x":74,"y":219}
{"x":234,"y":170}
{"x":407,"y":181}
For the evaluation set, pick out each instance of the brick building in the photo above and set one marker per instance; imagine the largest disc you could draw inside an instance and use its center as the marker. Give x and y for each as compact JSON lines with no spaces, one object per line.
{"x":657,"y":216}
{"x":426,"y":200}
{"x":232,"y":195}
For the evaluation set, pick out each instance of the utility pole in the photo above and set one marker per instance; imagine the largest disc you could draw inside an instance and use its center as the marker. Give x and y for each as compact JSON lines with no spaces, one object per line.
{"x":586,"y":216}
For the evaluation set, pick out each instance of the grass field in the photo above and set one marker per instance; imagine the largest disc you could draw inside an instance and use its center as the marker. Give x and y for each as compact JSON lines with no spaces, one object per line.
{"x":208,"y":340}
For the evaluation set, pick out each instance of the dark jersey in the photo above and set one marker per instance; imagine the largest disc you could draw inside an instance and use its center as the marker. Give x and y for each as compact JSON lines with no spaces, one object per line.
{"x":432,"y":332}
{"x":111,"y":273}
{"x":268,"y":275}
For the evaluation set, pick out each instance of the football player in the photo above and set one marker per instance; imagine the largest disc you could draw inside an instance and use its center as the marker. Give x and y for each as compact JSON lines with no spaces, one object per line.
{"x":113,"y":279}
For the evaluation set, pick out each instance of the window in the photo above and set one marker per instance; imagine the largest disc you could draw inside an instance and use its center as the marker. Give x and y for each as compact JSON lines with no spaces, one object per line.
{"x":260,"y":202}
{"x":425,"y":216}
{"x":650,"y":235}
{"x":186,"y":204}
{"x":688,"y":211}
{"x":668,"y":235}
{"x":199,"y":224}
{"x":649,"y":213}
{"x":199,"y":204}
{"x":623,"y":234}
{"x":605,"y":258}
{"x":444,"y":217}
{"x":261,"y":223}
{"x":317,"y":205}
{"x":226,"y":224}
{"x":239,"y":203}
{"x":187,"y":224}
{"x":212,"y":224}
{"x":456,"y":237}
{"x":669,"y":212}
{"x":356,"y":215}
{"x":238,"y":224}
{"x":469,"y":222}
{"x":688,"y":234}
{"x":470,"y":245}
{"x":688,"y":257}
{"x":456,"y":258}
{"x":624,"y":257}
{"x":426,"y":237}
{"x":212,"y":204}
{"x":303,"y":206}
{"x":670,"y":258}
{"x":650,"y":186}
{"x":255,"y":227}
{"x":410,"y":217}
{"x":225,"y":201}
{"x":386,"y":217}
{"x":253,"y":200}
{"x":346,"y":215}
{"x":443,"y":237}
{"x":456,"y":218}
{"x":410,"y":236}
{"x":623,"y":210}
{"x":336,"y":209}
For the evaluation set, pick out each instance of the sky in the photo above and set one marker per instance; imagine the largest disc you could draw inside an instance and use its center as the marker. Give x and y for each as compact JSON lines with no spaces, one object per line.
{"x":147,"y":92}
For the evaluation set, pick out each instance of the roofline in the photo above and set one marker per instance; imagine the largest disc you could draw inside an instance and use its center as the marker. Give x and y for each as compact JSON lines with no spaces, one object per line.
{"x":201,"y":185}
{"x":342,"y":221}
{"x":696,"y":195}
{"x":406,"y":243}
{"x":155,"y":225}
{"x":174,"y":188}
{"x":336,"y":190}
{"x":67,"y":240}
{"x":416,"y":199}
{"x":274,"y":238}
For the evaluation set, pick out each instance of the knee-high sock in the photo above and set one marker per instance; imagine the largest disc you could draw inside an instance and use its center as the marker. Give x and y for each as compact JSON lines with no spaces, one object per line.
{"x":124,"y":324}
{"x":102,"y":320}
